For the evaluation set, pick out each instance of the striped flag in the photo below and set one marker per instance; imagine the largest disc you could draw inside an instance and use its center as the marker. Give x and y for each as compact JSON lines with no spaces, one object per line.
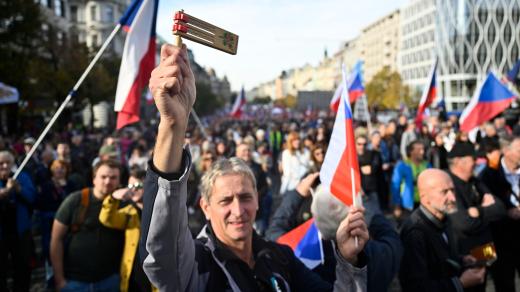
{"x":340,"y":169}
{"x":305,"y":241}
{"x":138,"y":59}
{"x":428,"y":96}
{"x":355,"y":87}
{"x":240,"y":101}
{"x":489,"y":100}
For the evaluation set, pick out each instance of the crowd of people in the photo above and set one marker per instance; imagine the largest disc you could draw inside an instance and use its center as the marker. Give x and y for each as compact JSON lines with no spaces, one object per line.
{"x":172,"y":208}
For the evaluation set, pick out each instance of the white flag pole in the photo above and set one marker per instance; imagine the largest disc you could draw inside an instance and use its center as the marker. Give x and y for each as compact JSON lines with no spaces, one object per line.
{"x":67,"y":100}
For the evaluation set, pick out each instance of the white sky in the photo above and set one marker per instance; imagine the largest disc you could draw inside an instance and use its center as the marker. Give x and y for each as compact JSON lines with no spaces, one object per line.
{"x":274,"y":35}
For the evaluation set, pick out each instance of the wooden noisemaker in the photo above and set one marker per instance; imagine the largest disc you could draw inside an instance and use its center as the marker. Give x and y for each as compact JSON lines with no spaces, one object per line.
{"x":199,"y":31}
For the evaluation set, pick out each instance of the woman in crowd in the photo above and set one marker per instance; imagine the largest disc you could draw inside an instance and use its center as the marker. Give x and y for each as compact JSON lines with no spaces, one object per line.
{"x":295,"y":163}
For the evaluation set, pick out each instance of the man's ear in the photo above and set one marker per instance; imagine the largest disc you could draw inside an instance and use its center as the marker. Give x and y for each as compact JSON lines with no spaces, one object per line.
{"x":204,"y":205}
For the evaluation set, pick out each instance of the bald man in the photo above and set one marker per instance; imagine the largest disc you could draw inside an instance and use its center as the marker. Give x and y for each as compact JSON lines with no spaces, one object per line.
{"x":430,"y":261}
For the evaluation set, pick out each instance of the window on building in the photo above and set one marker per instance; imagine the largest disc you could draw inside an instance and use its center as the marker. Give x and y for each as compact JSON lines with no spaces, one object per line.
{"x":58,"y":8}
{"x":93,"y":13}
{"x":109,"y":14}
{"x":74,"y":13}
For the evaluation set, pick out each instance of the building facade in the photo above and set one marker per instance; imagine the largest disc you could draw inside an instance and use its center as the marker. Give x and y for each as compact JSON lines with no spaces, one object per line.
{"x":379,"y":44}
{"x":417,"y":52}
{"x":474,"y":38}
{"x":468,"y":38}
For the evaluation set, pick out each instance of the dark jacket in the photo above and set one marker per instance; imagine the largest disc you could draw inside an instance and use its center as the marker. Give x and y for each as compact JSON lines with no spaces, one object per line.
{"x":16,"y":208}
{"x":505,"y":232}
{"x":383,"y":251}
{"x":174,"y":261}
{"x":429,"y":262}
{"x":471,"y":232}
{"x":371,"y":182}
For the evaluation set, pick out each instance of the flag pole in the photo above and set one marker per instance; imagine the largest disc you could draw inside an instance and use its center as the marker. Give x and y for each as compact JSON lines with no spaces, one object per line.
{"x":199,"y":123}
{"x":67,"y":99}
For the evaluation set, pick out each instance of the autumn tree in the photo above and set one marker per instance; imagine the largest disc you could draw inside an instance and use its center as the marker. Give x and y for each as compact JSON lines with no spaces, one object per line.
{"x":386,"y":90}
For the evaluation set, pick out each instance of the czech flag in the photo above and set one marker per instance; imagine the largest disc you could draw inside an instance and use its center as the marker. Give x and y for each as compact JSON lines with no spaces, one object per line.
{"x":428,"y":96}
{"x":305,"y":241}
{"x":490,"y":99}
{"x":355,"y":88}
{"x":340,"y":169}
{"x":240,"y":101}
{"x":138,"y":59}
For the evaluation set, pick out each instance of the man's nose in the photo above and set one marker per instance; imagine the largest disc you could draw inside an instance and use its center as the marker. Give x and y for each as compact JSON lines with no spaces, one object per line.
{"x":237,"y":208}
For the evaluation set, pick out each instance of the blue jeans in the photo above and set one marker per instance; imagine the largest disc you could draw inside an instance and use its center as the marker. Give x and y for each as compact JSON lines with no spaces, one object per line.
{"x":110,"y":284}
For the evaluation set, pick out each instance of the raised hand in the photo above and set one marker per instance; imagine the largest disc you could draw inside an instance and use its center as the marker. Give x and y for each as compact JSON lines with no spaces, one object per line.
{"x":173,"y":86}
{"x":351,"y":227}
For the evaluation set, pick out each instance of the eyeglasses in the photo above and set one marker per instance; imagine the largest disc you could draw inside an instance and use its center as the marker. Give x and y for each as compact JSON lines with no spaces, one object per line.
{"x":208,"y":158}
{"x":135,"y":186}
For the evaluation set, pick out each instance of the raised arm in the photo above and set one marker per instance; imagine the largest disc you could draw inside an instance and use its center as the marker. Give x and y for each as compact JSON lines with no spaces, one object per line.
{"x":169,"y":250}
{"x":173,"y":88}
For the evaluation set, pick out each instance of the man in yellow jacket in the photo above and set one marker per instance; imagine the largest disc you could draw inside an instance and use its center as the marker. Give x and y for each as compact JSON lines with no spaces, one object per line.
{"x":128,"y":218}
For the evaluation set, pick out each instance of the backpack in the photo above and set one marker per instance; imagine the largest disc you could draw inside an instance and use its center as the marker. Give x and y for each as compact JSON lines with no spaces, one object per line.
{"x":81,"y":213}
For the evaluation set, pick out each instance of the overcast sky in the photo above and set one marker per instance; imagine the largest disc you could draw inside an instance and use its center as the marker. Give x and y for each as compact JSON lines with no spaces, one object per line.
{"x":274,"y":35}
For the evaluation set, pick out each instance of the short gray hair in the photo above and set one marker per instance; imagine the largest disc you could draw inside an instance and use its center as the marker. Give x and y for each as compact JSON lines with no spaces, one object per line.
{"x":223,"y":167}
{"x":7,"y":154}
{"x":328,"y":212}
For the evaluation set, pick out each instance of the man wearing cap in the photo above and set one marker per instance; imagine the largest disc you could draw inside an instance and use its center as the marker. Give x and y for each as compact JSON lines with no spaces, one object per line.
{"x":477,"y":207}
{"x":503,"y":179}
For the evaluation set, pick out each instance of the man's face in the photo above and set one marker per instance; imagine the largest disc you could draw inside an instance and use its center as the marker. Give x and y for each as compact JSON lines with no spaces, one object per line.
{"x":232,"y":208}
{"x":360,"y":145}
{"x":137,"y":188}
{"x":6,"y":163}
{"x":466,"y":165}
{"x":106,"y":180}
{"x":63,"y":150}
{"x":441,"y":197}
{"x":244,"y":152}
{"x":512,"y":153}
{"x":417,"y":152}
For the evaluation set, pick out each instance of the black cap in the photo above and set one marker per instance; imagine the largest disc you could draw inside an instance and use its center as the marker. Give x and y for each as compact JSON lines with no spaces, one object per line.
{"x":462,"y":149}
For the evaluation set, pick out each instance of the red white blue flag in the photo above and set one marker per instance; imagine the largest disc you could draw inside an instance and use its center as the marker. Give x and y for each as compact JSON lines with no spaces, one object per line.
{"x":428,"y":96}
{"x":355,"y":88}
{"x":489,"y":100}
{"x":240,"y":101}
{"x":305,"y":241}
{"x":138,"y":59}
{"x":340,"y":169}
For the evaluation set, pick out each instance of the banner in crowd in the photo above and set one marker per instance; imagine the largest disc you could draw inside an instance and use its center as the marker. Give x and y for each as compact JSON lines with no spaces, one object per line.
{"x":489,"y":100}
{"x":138,"y":59}
{"x":8,"y":94}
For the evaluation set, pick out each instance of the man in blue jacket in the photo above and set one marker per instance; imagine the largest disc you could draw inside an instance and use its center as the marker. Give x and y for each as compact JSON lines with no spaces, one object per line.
{"x":16,"y":200}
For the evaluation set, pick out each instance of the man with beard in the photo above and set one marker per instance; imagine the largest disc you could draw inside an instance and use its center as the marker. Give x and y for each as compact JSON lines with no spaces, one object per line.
{"x":430,"y":261}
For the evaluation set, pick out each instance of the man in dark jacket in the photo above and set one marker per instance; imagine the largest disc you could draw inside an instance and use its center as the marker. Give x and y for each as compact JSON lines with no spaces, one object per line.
{"x":383,"y":251}
{"x":476,"y":206}
{"x":430,"y":261}
{"x":229,"y":256}
{"x":504,"y":182}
